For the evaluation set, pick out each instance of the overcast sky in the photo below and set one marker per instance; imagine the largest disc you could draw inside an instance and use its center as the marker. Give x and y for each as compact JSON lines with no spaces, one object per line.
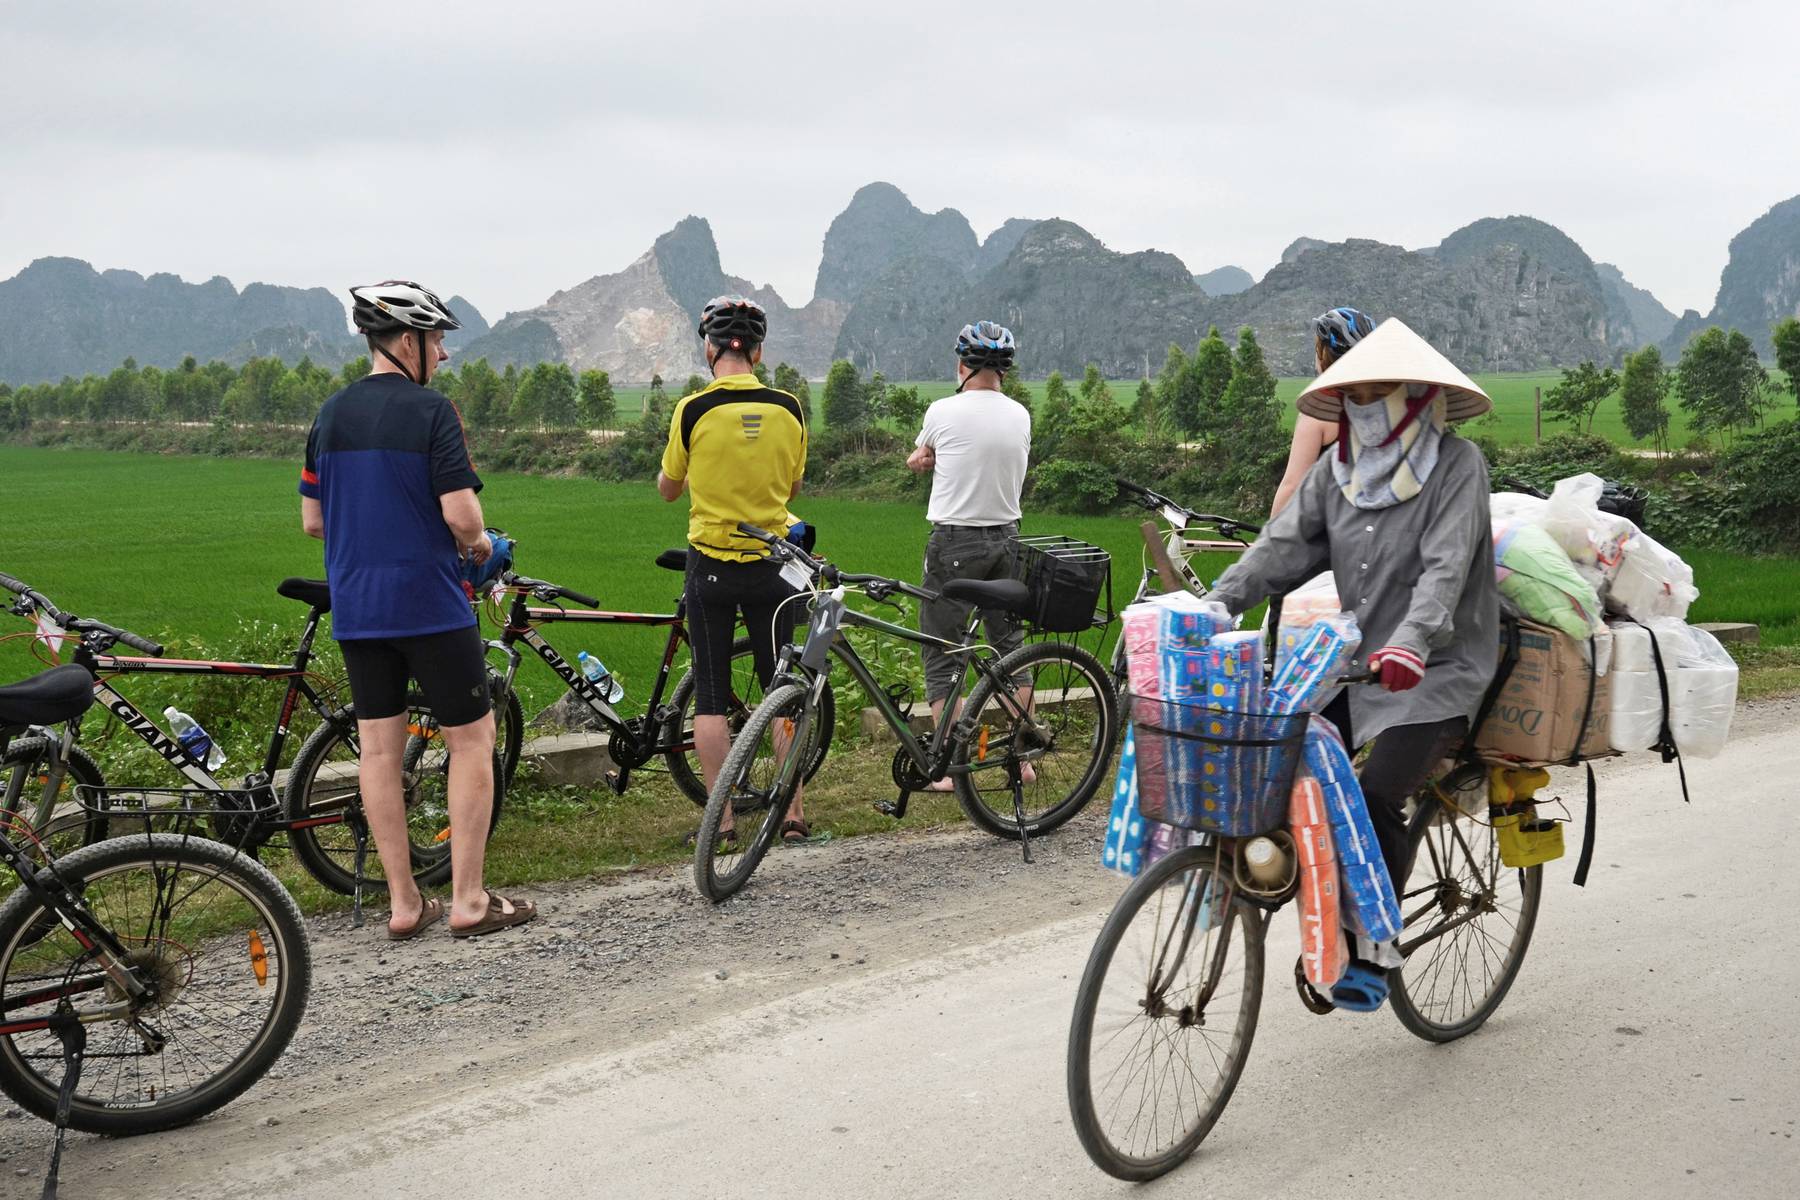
{"x":506,"y":151}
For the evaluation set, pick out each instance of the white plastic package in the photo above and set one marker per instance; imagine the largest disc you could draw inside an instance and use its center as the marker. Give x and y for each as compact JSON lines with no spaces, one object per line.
{"x":1651,"y":582}
{"x":1508,"y":507}
{"x":1594,"y":540}
{"x":1702,"y":681}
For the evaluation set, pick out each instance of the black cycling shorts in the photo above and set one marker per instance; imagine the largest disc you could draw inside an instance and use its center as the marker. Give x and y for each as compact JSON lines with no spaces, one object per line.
{"x":717,"y":591}
{"x":450,"y":667}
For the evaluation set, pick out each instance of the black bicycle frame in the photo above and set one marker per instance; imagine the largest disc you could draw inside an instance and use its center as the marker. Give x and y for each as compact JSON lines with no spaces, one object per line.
{"x":106,"y":666}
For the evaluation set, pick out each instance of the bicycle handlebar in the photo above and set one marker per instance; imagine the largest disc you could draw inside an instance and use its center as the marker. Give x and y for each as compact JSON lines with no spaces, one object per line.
{"x":71,"y":623}
{"x":879,"y":587}
{"x":546,"y":590}
{"x":1156,"y":501}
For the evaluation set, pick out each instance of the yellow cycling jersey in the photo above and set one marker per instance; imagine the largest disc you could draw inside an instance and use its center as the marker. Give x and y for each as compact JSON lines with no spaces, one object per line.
{"x":741,"y":447}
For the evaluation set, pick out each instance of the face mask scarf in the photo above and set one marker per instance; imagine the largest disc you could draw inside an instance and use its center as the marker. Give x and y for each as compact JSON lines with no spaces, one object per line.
{"x":1387,"y":450}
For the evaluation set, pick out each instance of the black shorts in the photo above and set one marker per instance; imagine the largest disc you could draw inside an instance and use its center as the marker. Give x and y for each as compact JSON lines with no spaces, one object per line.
{"x":717,"y":591}
{"x":450,"y":667}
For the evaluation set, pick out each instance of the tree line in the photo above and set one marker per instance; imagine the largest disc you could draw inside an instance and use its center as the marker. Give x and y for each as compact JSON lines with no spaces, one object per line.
{"x":1719,"y":382}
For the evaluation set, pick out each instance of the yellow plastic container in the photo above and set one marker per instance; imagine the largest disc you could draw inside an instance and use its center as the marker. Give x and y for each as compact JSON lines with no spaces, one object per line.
{"x":1526,"y":841}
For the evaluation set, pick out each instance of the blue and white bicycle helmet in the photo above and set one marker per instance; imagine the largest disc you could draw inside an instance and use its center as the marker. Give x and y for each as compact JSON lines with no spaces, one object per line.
{"x":1338,"y":329}
{"x":478,"y":581}
{"x":986,"y":346}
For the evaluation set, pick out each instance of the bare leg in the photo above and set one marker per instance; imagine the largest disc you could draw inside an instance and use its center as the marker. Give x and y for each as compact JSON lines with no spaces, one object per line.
{"x":384,"y":806}
{"x":712,"y":741}
{"x":471,"y":785}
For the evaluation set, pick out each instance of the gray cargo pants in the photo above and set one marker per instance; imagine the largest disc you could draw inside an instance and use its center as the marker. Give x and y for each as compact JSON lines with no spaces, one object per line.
{"x":964,"y":552}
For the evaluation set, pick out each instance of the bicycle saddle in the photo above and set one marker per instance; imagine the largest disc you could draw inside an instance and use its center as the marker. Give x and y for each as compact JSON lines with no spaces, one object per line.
{"x":306,"y":591}
{"x":59,"y":694}
{"x":672,"y":560}
{"x":1007,"y":595}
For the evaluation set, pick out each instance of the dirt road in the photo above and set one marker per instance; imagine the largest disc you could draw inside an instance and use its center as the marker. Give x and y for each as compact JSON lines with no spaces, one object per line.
{"x":886,"y":1017}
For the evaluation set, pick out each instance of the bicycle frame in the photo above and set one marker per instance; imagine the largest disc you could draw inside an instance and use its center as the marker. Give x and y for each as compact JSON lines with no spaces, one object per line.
{"x":830,"y":617}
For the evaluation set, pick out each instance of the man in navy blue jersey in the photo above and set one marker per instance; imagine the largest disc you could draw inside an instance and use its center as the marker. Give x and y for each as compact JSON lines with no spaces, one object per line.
{"x":389,"y":487}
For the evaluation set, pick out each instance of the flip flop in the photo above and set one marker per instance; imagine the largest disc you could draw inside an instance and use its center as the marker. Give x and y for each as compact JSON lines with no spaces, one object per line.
{"x":795,"y":833}
{"x":430,"y":914}
{"x":1364,"y":988}
{"x":497,"y":918}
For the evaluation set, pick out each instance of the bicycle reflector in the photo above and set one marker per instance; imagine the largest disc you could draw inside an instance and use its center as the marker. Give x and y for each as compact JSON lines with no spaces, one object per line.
{"x":259,"y":959}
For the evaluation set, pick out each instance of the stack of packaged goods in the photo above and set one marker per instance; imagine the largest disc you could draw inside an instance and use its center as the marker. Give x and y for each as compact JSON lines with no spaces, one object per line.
{"x":1322,"y":947}
{"x":1587,"y":681}
{"x":1369,"y":903}
{"x":1313,"y":601}
{"x":1226,"y":713}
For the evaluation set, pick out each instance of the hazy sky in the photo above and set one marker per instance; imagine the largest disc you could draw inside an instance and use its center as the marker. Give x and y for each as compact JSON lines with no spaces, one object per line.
{"x":506,"y":151}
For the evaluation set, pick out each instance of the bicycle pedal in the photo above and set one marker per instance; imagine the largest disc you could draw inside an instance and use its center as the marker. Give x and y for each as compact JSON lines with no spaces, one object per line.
{"x":891,"y":808}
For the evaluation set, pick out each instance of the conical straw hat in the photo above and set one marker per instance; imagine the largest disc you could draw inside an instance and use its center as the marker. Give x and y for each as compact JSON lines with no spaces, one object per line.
{"x":1393,"y":354}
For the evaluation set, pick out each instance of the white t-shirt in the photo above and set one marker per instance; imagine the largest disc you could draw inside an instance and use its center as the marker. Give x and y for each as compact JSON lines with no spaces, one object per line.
{"x":982,"y":441}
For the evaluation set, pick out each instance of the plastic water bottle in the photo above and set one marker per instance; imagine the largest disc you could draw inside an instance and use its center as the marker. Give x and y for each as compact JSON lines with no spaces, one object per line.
{"x":610,"y":689}
{"x":195,"y":740}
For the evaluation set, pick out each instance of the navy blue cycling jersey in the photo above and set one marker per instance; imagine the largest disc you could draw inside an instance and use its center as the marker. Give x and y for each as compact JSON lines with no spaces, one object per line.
{"x":379,"y":455}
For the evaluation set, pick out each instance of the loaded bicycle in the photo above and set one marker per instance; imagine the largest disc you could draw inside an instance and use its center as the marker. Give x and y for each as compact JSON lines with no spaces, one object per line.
{"x":1025,"y":750}
{"x":145,"y":980}
{"x":1168,"y":1003}
{"x":660,"y":730}
{"x":318,"y":806}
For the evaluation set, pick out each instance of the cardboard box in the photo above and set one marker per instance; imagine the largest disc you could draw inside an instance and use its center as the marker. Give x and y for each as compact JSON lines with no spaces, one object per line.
{"x":1538,"y":715}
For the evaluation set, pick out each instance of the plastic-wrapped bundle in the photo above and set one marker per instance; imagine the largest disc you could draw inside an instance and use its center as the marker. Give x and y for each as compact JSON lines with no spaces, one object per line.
{"x":1322,"y":947}
{"x":1126,"y":828}
{"x":1301,"y":609}
{"x":1537,"y":577}
{"x":1595,"y":541}
{"x":1140,"y":628}
{"x":1183,"y":681}
{"x":1188,"y":621}
{"x":1306,"y":680}
{"x":1701,"y":678}
{"x":1233,"y":690}
{"x":1652,"y":581}
{"x":1367,"y":891}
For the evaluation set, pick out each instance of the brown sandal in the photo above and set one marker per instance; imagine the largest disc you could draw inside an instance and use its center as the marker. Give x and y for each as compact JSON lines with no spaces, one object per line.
{"x":497,"y":918}
{"x":793,"y":833}
{"x":429,"y":914}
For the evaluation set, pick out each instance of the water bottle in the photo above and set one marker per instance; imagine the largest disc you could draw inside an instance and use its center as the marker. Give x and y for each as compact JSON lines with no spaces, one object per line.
{"x":610,"y":689}
{"x":195,"y":740}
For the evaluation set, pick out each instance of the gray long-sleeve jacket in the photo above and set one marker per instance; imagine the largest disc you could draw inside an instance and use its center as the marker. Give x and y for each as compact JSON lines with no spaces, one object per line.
{"x":1418,"y":575}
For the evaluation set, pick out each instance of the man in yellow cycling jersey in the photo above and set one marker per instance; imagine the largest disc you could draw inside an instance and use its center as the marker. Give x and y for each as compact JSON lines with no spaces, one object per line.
{"x":739,"y":450}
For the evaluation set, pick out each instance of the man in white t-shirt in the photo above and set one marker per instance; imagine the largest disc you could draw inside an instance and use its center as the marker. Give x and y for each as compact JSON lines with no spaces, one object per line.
{"x":976,"y":444}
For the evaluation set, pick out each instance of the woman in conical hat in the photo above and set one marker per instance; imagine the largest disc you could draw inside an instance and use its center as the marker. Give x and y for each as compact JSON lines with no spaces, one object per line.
{"x":1399,"y":510}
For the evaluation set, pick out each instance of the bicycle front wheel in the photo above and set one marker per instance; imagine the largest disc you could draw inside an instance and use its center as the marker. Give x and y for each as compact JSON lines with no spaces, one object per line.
{"x":756,"y":784}
{"x":1062,"y":744}
{"x":746,"y":693}
{"x":220,"y":944}
{"x":326,"y":782}
{"x":1468,"y":922}
{"x":1164,"y":1017}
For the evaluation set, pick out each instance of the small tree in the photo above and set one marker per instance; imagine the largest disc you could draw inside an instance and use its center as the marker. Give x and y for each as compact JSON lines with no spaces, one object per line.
{"x":527,"y":411}
{"x":479,"y":394}
{"x":1578,"y":397}
{"x":354,"y":370}
{"x":1143,"y":412}
{"x":1722,"y":384}
{"x":1093,"y":384}
{"x":906,"y":408}
{"x":846,"y":404}
{"x":1643,"y":395}
{"x":1168,"y":387}
{"x":599,"y":407}
{"x":1013,"y":384}
{"x":762,"y":374}
{"x":657,"y":407}
{"x":1786,"y":337}
{"x":1204,"y":383}
{"x":561,"y":396}
{"x":1051,"y":425}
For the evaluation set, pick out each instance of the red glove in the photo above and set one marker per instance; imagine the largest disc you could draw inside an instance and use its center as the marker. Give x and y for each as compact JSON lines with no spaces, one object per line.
{"x":1400,"y":668}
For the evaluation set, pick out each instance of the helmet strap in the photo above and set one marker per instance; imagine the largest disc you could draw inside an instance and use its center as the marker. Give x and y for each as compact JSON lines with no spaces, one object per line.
{"x":384,"y":352}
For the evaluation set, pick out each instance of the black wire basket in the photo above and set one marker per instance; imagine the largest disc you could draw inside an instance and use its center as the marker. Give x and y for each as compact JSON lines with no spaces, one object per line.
{"x":1070,"y":582}
{"x":1214,"y":769}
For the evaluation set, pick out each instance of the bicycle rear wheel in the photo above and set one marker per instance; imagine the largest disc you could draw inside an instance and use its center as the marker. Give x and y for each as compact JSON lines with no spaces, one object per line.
{"x":325,"y":782}
{"x":1468,"y":922}
{"x":223,"y":948}
{"x":758,"y":782}
{"x":69,"y":825}
{"x":1164,"y":1018}
{"x":746,"y":694}
{"x":1065,"y":748}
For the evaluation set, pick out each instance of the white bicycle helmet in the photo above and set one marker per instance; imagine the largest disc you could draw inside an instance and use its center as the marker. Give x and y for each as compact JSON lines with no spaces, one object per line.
{"x":398,"y":304}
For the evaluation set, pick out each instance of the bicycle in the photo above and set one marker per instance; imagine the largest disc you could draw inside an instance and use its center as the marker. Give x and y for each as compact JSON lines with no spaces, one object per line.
{"x":1026,"y":711}
{"x":145,"y":980}
{"x":319,"y":807}
{"x":1168,"y":552}
{"x":665,"y":730}
{"x":1180,"y":960}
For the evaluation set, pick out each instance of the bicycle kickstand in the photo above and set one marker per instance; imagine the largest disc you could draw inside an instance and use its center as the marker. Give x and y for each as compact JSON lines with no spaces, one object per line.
{"x":73,"y":1035}
{"x":362,"y":857}
{"x":1017,"y":781}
